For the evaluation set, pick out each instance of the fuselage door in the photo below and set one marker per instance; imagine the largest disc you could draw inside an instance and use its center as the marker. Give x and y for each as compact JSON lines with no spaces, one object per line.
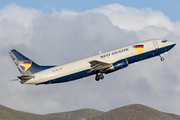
{"x":155,"y":44}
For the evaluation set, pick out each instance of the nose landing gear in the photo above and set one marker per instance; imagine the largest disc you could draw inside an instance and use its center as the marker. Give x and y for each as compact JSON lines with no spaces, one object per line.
{"x":162,"y":59}
{"x":99,"y":76}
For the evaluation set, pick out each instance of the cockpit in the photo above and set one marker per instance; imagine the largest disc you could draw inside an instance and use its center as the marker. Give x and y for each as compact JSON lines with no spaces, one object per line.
{"x":164,"y":41}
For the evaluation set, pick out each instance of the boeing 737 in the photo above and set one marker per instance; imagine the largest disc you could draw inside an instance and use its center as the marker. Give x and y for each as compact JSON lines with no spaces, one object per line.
{"x":98,"y":65}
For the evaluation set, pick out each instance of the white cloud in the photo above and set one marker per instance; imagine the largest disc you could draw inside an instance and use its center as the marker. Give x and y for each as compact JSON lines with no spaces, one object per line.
{"x":66,"y":36}
{"x":16,"y":23}
{"x":22,"y":16}
{"x":129,"y":18}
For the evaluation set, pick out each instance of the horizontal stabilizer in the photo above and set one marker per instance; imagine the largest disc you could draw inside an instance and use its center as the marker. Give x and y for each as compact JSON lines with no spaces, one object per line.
{"x":25,"y":77}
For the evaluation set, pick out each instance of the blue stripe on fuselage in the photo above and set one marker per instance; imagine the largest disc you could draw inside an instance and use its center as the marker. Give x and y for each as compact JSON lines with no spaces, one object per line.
{"x":70,"y":77}
{"x":131,"y":59}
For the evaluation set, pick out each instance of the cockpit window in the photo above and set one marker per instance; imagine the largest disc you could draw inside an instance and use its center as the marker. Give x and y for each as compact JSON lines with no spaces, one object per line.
{"x":164,"y":41}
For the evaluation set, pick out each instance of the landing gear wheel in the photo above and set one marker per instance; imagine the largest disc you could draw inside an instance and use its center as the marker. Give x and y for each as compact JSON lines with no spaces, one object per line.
{"x":162,"y":59}
{"x":101,"y":76}
{"x":97,"y":78}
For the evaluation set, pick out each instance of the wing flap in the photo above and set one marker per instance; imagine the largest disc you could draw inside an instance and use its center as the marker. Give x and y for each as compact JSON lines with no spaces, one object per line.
{"x":98,"y":65}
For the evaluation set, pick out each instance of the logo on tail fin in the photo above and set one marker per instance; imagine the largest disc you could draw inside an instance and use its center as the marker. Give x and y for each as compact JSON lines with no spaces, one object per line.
{"x":26,"y":65}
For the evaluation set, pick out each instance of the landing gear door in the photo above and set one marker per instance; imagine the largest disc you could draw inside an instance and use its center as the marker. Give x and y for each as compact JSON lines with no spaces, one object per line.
{"x":155,"y":44}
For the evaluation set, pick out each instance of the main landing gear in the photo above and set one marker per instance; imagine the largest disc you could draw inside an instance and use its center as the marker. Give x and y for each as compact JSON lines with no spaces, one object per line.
{"x":99,"y":76}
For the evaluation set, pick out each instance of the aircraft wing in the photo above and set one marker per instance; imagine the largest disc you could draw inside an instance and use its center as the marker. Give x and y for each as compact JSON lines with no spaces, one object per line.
{"x":98,"y":65}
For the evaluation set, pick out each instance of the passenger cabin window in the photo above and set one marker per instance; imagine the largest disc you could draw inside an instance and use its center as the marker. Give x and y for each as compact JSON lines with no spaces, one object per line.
{"x":164,"y":41}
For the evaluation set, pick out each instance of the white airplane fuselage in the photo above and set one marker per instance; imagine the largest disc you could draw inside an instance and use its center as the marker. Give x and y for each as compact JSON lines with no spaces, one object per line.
{"x":117,"y":59}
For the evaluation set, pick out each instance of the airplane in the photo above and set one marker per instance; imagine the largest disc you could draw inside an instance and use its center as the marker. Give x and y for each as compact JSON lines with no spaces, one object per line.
{"x":98,"y":65}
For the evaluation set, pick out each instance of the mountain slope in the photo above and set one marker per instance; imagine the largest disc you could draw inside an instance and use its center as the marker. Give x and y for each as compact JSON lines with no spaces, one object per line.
{"x":177,"y":117}
{"x":82,"y":113}
{"x":135,"y":112}
{"x":10,"y":114}
{"x":130,"y":112}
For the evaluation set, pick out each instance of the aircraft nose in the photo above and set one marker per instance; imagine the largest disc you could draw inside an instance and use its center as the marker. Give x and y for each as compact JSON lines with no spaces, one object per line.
{"x":172,"y":44}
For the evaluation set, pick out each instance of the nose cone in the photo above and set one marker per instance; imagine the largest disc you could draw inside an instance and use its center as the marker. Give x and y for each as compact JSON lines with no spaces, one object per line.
{"x":171,"y":45}
{"x":174,"y":44}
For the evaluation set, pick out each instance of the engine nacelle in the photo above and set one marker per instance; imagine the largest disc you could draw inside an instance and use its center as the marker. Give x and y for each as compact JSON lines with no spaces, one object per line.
{"x":118,"y":65}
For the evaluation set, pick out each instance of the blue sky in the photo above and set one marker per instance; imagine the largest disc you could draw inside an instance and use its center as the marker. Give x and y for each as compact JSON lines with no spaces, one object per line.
{"x":170,"y":8}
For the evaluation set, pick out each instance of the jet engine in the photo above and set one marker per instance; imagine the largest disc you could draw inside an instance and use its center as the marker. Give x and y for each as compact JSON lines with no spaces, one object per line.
{"x":117,"y":65}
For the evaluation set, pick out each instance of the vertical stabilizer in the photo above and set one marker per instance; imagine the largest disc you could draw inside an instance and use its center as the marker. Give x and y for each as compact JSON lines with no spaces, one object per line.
{"x":24,"y":64}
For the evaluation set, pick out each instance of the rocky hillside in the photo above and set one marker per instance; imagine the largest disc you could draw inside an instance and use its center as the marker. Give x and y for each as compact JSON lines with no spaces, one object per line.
{"x":130,"y":112}
{"x":135,"y":112}
{"x":82,"y":113}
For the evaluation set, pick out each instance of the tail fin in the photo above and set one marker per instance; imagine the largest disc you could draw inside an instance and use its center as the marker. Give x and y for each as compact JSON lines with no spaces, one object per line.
{"x":24,"y":64}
